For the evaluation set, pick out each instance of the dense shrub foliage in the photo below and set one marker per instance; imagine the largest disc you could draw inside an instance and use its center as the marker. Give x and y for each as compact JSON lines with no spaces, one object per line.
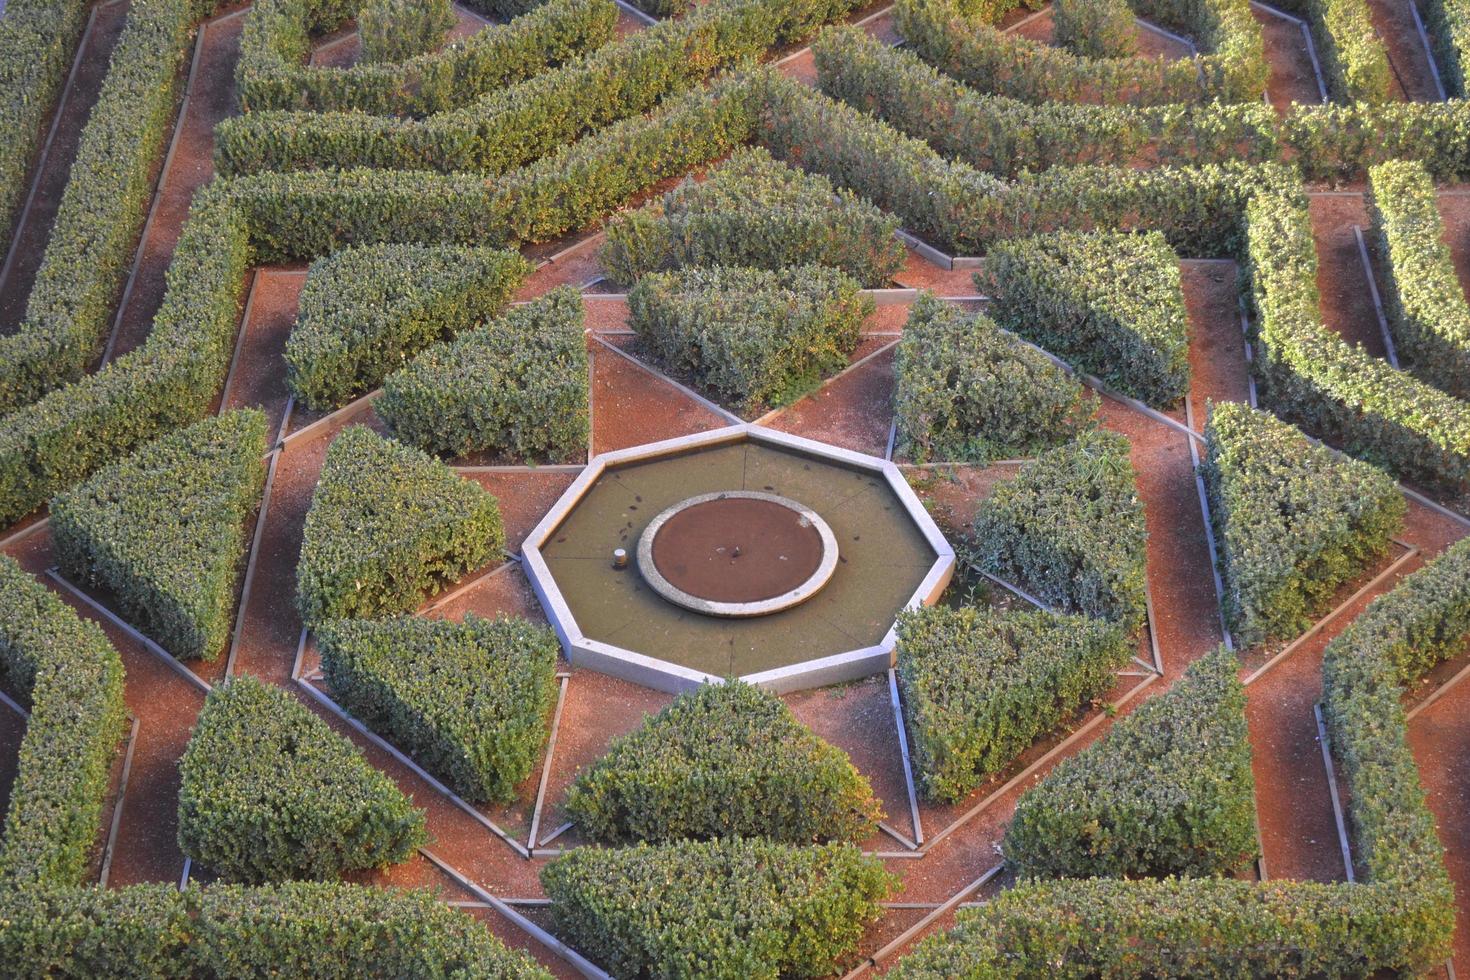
{"x":1095,"y":28}
{"x":980,"y":686}
{"x":1425,"y":305}
{"x":164,"y":531}
{"x":721,"y":909}
{"x":1110,"y":303}
{"x":325,"y":931}
{"x":1294,"y":521}
{"x":725,"y":760}
{"x":1069,"y":529}
{"x":516,"y":387}
{"x":365,"y":311}
{"x":268,"y":791}
{"x":754,"y":211}
{"x":1354,"y":60}
{"x":754,"y":337}
{"x":396,"y":30}
{"x":1449,"y":31}
{"x":1168,"y":790}
{"x":968,"y":391}
{"x":469,"y":701}
{"x":65,"y":670}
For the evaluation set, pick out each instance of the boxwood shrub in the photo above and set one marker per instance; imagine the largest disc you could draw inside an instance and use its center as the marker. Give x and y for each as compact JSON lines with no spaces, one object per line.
{"x":365,"y":311}
{"x":968,"y":391}
{"x":516,"y":387}
{"x":725,"y":760}
{"x":1294,"y":521}
{"x":396,"y":30}
{"x":164,"y":531}
{"x":1110,"y":303}
{"x":67,"y":672}
{"x":1354,"y":59}
{"x":720,"y":909}
{"x":980,"y":686}
{"x":1095,"y":28}
{"x":388,"y":524}
{"x":269,"y":791}
{"x":1449,"y":31}
{"x":753,"y":337}
{"x":469,"y":701}
{"x":1168,"y":790}
{"x":1069,"y":529}
{"x":754,"y":211}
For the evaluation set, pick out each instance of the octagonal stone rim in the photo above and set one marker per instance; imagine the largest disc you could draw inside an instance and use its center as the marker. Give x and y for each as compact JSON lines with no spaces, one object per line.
{"x":663,"y":675}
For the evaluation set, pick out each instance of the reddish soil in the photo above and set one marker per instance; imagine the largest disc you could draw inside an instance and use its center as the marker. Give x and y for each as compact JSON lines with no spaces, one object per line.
{"x":853,"y":410}
{"x":631,"y":404}
{"x":1347,"y":300}
{"x":1217,"y":344}
{"x":258,"y":378}
{"x":1454,"y":208}
{"x":1292,"y":77}
{"x":1407,"y":57}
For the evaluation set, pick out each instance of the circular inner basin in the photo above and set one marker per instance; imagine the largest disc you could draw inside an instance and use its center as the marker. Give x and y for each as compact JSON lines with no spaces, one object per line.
{"x":739,"y":553}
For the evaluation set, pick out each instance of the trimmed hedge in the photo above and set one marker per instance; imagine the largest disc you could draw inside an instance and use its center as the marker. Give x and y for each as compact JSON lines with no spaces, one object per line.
{"x":1167,"y":791}
{"x":396,"y":30}
{"x":967,"y":391}
{"x":470,"y":701}
{"x":1069,"y":529}
{"x":388,"y":525}
{"x":729,"y":909}
{"x":1354,"y":59}
{"x":272,"y":72}
{"x":753,"y":337}
{"x":980,"y":686}
{"x":1110,"y":303}
{"x":1095,"y":28}
{"x":268,"y":791}
{"x":366,"y":311}
{"x":325,"y":931}
{"x":1294,"y":521}
{"x":754,"y":211}
{"x":67,"y":672}
{"x":1449,"y":29}
{"x":164,"y":531}
{"x":1425,"y":305}
{"x":724,"y":760}
{"x":1339,"y":142}
{"x":516,"y":387}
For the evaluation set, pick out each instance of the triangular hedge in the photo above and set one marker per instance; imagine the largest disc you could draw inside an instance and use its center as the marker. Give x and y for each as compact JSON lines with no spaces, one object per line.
{"x":1294,"y":520}
{"x":270,"y":792}
{"x":164,"y":530}
{"x":726,"y":760}
{"x":388,"y":525}
{"x":1168,"y":791}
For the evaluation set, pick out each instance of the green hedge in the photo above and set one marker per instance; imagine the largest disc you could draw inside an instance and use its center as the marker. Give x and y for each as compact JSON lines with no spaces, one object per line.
{"x":66,"y":671}
{"x":967,"y":391}
{"x":1110,"y":303}
{"x":728,"y":909}
{"x":387,"y":526}
{"x":753,"y":337}
{"x":366,"y":311}
{"x":165,"y":530}
{"x":1167,"y":791}
{"x":469,"y":701}
{"x":1354,"y":59}
{"x":269,"y":791}
{"x":1095,"y":28}
{"x":980,"y":686}
{"x":1339,"y":142}
{"x":725,"y":760}
{"x":396,"y":30}
{"x":516,"y":387}
{"x":1295,"y":521}
{"x":1449,"y":29}
{"x":1425,"y":305}
{"x":1069,"y":529}
{"x":230,"y":932}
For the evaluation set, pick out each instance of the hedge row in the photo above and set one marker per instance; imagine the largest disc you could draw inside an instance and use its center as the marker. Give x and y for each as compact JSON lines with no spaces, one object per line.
{"x":164,"y":531}
{"x":1449,"y":29}
{"x":325,"y":931}
{"x":1095,"y":28}
{"x":967,"y":391}
{"x":1354,"y":60}
{"x":1069,"y":528}
{"x":754,"y":211}
{"x":725,"y":760}
{"x":753,"y":337}
{"x":516,"y":387}
{"x":387,"y":526}
{"x":65,"y":670}
{"x":268,"y":791}
{"x":1168,"y":790}
{"x":1112,"y":304}
{"x":469,"y":701}
{"x":725,"y":909}
{"x":272,"y":72}
{"x":980,"y":686}
{"x":366,"y":311}
{"x":1425,"y":305}
{"x":396,"y":30}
